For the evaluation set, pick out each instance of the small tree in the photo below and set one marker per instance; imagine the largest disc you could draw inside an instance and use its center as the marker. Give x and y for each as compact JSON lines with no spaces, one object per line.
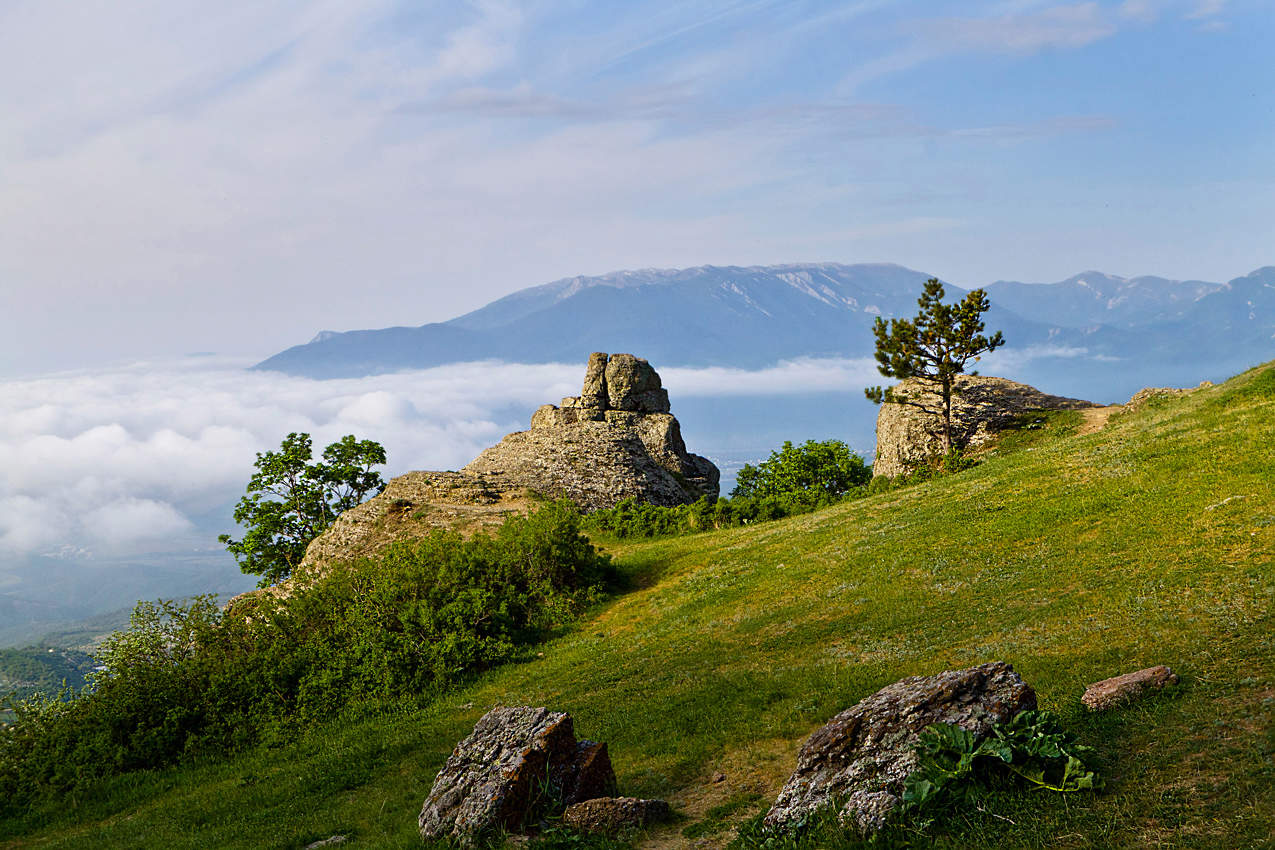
{"x":932,"y":349}
{"x":825,"y":470}
{"x":310,"y":496}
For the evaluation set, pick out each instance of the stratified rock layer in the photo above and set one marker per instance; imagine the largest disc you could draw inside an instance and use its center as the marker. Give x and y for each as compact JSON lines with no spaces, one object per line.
{"x":907,"y":436}
{"x":516,"y":761}
{"x":859,"y":759}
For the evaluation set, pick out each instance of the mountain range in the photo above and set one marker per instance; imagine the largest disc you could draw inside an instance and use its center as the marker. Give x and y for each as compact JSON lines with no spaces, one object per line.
{"x":1156,"y":329}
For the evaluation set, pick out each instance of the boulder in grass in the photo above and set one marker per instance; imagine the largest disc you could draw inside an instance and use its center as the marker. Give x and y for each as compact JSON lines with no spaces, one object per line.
{"x":611,"y":815}
{"x":1109,"y":693}
{"x":516,"y":763}
{"x":859,"y":759}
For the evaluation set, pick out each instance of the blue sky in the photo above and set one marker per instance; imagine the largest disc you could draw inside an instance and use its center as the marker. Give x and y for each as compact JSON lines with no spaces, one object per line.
{"x":179,"y":176}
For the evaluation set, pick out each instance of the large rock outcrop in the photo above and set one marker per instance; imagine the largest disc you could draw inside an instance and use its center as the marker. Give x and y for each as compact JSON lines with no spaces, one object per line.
{"x":859,"y":759}
{"x":517,"y":763}
{"x":983,"y":406}
{"x":616,"y":440}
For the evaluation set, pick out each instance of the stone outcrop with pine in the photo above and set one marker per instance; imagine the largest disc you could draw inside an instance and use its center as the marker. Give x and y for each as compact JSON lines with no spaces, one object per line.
{"x":908,"y":437}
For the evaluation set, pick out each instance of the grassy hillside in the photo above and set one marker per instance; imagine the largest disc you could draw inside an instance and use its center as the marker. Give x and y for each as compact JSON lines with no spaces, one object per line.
{"x":1074,"y":557}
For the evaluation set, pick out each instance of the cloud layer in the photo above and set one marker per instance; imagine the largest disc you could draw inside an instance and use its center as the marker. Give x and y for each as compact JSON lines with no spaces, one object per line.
{"x":140,"y":458}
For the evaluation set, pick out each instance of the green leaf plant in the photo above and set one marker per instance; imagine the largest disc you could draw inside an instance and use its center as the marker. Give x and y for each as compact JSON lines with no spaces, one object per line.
{"x":956,"y":765}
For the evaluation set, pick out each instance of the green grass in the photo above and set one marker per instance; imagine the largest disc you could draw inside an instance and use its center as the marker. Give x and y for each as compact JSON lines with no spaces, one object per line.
{"x":1074,"y":558}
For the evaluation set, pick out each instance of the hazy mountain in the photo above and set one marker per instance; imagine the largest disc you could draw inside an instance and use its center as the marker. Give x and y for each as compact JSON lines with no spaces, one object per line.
{"x":1094,"y":298}
{"x":1093,"y":335}
{"x":710,"y":315}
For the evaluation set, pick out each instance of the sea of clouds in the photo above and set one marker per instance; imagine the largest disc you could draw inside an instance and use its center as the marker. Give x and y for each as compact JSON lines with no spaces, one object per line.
{"x":140,"y":457}
{"x":147,"y":457}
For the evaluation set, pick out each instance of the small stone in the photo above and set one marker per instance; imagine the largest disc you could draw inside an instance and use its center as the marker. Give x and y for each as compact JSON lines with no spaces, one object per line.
{"x":719,"y":777}
{"x":609,"y":815}
{"x":327,"y":842}
{"x":1109,"y":693}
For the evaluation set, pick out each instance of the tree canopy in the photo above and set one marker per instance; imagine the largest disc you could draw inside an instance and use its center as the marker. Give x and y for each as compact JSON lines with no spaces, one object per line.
{"x":826,"y":468}
{"x":309,"y":496}
{"x":932,"y":349}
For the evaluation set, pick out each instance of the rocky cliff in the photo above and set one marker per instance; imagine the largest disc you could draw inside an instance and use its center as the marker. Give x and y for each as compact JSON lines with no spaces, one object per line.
{"x":616,"y":440}
{"x":983,"y":406}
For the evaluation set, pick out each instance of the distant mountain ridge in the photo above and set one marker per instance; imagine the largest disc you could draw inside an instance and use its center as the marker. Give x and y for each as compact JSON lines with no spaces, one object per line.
{"x":755,"y":316}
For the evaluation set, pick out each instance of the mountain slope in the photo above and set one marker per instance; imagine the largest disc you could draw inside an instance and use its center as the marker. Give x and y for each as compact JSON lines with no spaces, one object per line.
{"x":1094,"y":298}
{"x":1075,"y":558}
{"x":736,"y":316}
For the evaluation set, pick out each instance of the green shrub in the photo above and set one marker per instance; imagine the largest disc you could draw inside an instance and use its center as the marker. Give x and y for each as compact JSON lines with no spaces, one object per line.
{"x":187,"y":679}
{"x":825,"y":469}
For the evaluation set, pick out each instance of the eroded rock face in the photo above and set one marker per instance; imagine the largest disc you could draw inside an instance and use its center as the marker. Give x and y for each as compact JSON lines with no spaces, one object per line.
{"x":983,"y":406}
{"x":859,"y":759}
{"x":614,"y":441}
{"x":515,"y":762}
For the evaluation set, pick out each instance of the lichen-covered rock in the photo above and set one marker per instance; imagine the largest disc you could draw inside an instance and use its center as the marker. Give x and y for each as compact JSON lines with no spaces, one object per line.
{"x":859,"y":759}
{"x":983,"y":406}
{"x":1121,"y":689}
{"x":631,"y":384}
{"x":516,"y":761}
{"x":609,"y":815}
{"x":615,"y":441}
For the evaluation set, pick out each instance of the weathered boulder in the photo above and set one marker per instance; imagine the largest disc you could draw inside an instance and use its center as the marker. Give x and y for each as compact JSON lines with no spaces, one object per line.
{"x":516,"y":761}
{"x":614,"y":441}
{"x":1121,"y":689}
{"x":859,"y":759}
{"x":983,"y":406}
{"x":609,"y":815}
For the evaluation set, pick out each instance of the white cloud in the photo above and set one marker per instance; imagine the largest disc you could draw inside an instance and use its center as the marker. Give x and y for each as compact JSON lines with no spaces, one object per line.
{"x":1206,"y":9}
{"x":1064,"y":26}
{"x":134,"y":459}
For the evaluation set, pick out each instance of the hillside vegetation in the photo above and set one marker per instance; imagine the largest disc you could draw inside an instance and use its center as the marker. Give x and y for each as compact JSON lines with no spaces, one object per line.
{"x":1073,"y":556}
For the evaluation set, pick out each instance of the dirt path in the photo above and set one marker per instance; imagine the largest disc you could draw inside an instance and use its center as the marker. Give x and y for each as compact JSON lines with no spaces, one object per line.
{"x":1096,"y":418}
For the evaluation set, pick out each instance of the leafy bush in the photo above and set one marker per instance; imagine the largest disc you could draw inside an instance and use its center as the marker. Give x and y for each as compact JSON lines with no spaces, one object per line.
{"x":1033,"y":746}
{"x":188,"y":679}
{"x":825,"y":469}
{"x":794,"y":480}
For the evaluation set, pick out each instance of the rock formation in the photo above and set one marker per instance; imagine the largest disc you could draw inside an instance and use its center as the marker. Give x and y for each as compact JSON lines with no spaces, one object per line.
{"x":616,"y":440}
{"x":983,"y":406}
{"x":859,"y":759}
{"x":507,"y":773}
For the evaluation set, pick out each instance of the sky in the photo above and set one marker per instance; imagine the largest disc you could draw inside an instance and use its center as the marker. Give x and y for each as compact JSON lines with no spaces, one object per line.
{"x":233,"y":177}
